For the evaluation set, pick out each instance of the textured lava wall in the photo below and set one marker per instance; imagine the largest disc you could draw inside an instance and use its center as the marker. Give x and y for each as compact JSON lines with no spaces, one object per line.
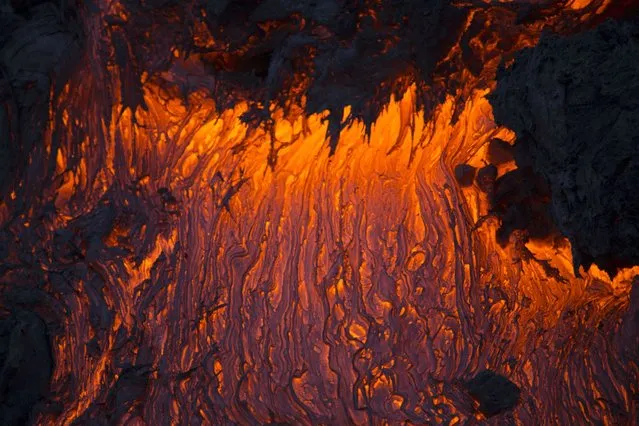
{"x":167,"y":258}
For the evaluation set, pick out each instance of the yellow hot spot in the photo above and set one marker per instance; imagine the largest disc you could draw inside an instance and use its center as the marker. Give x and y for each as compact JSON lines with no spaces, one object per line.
{"x":397,"y":401}
{"x":357,"y":331}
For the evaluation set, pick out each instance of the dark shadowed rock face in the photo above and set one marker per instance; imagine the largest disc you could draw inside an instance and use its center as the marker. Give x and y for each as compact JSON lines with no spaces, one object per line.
{"x":125,"y":396}
{"x":521,"y":200}
{"x":574,"y":105}
{"x":38,"y":47}
{"x":486,"y":177}
{"x":494,"y":392}
{"x":26,"y":365}
{"x":500,"y":151}
{"x":465,"y":174}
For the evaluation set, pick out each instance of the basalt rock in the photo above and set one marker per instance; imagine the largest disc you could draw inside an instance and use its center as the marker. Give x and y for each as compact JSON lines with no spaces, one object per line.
{"x":574,"y":104}
{"x":494,"y":392}
{"x":465,"y":174}
{"x":521,"y":200}
{"x":39,"y":45}
{"x":486,"y":177}
{"x":26,"y":365}
{"x":500,"y":151}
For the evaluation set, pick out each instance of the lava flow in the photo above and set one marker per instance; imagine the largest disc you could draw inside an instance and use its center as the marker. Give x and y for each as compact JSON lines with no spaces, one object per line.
{"x":193,"y":268}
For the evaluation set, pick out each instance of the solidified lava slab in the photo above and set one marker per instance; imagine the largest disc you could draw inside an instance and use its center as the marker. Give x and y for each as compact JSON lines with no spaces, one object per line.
{"x":26,"y":365}
{"x":216,"y":213}
{"x":574,"y":104}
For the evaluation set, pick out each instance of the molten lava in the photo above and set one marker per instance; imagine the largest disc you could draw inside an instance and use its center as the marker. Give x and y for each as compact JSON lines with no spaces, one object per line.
{"x":208,"y":271}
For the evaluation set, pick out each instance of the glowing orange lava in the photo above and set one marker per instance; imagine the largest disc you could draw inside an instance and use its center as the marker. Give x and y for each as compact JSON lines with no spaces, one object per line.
{"x":197,"y":270}
{"x":328,"y":290}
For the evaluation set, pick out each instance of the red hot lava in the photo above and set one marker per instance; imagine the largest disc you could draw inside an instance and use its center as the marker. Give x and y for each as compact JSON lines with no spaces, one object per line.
{"x":196,"y":268}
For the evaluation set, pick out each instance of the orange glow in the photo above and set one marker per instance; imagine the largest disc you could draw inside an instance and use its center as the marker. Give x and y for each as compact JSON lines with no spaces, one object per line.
{"x":327,"y":250}
{"x":345,"y":289}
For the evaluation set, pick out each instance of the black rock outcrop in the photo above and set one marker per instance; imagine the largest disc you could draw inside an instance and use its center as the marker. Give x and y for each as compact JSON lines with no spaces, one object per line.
{"x":26,"y":365}
{"x":574,"y":104}
{"x":39,"y":45}
{"x":494,"y":392}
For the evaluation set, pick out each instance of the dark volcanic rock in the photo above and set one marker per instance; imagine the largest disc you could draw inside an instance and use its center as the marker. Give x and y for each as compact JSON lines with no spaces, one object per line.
{"x":494,"y":392}
{"x":465,"y":174}
{"x":38,"y":47}
{"x":500,"y":151}
{"x":125,"y":396}
{"x":26,"y":365}
{"x":574,"y":105}
{"x":521,"y":199}
{"x":486,"y":178}
{"x":326,"y":55}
